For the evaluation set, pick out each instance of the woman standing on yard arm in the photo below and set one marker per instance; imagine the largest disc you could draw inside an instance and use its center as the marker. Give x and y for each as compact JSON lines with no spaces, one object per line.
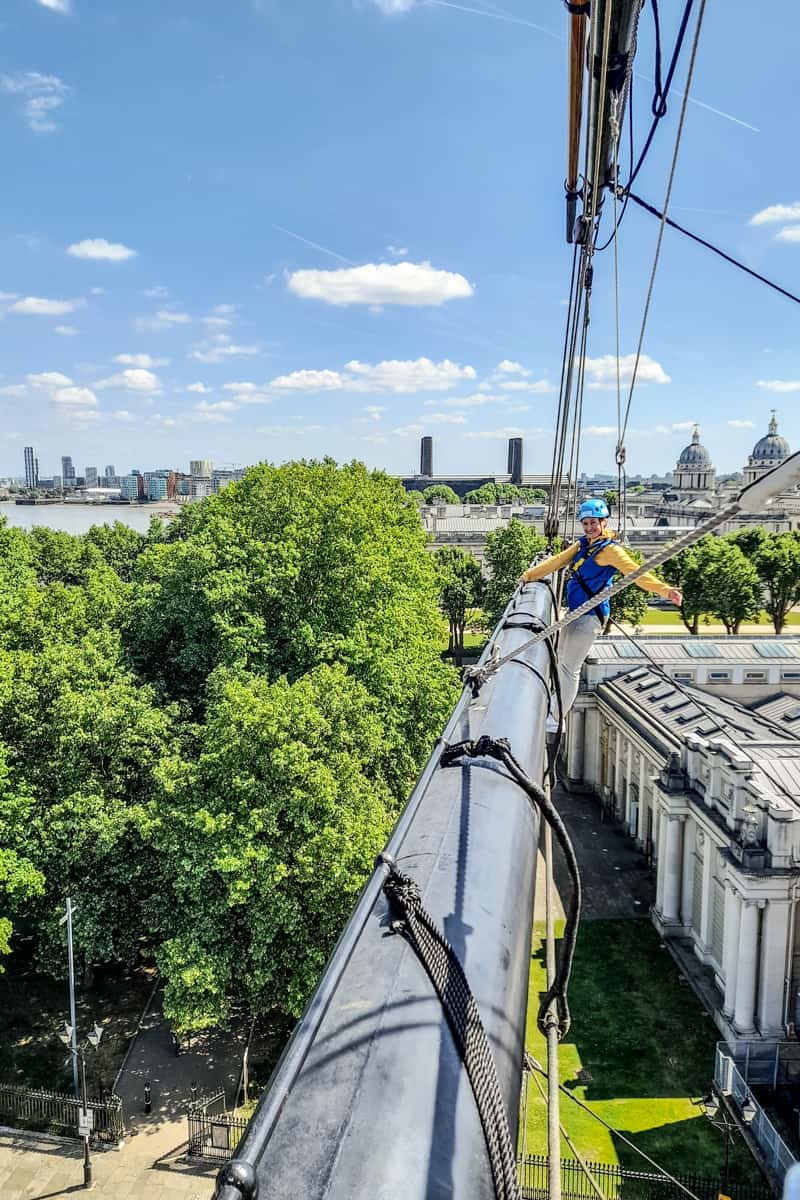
{"x":593,"y":560}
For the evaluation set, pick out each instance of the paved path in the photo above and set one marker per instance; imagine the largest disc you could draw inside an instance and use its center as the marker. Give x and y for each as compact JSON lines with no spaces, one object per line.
{"x":616,"y":881}
{"x":150,"y":1165}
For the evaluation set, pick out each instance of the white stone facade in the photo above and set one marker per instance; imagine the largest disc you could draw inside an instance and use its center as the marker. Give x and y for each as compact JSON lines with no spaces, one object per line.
{"x":718,"y":816}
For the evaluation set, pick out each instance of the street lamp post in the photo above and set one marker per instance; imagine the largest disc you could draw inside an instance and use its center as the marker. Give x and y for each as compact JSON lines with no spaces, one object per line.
{"x":67,"y":919}
{"x":86,"y":1116}
{"x":711,"y":1107}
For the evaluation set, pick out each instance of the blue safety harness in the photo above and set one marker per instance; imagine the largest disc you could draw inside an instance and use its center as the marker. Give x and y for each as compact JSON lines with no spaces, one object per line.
{"x":587,"y":577}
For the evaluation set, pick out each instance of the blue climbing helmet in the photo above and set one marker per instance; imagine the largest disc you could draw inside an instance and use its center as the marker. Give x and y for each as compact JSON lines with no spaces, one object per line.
{"x":593,"y":508}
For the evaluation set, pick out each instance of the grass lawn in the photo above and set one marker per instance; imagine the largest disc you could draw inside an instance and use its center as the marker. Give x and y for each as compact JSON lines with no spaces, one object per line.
{"x":670,"y":616}
{"x":641,"y":1048}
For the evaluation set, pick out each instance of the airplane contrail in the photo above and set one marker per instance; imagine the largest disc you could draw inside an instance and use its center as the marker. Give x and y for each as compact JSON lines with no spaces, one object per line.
{"x":499,"y":15}
{"x":315,"y":245}
{"x":496,"y":16}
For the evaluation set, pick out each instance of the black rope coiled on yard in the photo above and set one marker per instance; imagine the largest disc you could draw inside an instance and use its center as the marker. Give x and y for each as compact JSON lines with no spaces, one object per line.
{"x":500,"y":749}
{"x":446,"y":974}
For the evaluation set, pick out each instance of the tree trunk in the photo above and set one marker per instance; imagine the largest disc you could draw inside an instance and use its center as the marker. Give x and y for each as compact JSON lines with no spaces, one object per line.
{"x":458,"y":647}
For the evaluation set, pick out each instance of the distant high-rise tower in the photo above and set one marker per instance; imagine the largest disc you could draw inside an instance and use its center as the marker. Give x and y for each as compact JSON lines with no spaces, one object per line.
{"x":515,"y":460}
{"x":31,"y":468}
{"x":90,"y":477}
{"x":110,"y":472}
{"x":426,"y":456}
{"x":201,"y":468}
{"x":68,"y":479}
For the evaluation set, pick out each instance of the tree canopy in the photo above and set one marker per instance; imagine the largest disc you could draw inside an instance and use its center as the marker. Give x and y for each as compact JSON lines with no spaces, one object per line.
{"x":206,"y":732}
{"x":504,"y":493}
{"x":440,"y":493}
{"x":509,"y":551}
{"x":461,"y":588}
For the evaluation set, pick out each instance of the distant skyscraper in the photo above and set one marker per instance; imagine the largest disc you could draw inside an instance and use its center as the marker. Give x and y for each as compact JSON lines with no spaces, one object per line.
{"x":90,"y":477}
{"x":201,"y":468}
{"x":426,"y":456}
{"x":68,"y":479}
{"x":515,"y":460}
{"x":110,"y":472}
{"x":31,"y":468}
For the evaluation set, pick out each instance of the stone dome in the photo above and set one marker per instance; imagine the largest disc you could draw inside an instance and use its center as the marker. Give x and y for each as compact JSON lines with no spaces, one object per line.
{"x":773,"y":448}
{"x":694,"y":455}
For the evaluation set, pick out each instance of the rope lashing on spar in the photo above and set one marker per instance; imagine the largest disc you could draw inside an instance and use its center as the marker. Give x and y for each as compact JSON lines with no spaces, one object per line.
{"x":417,"y":926}
{"x":500,"y":750}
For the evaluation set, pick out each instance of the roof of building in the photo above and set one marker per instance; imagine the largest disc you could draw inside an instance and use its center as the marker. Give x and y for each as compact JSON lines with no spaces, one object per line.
{"x":698,"y":649}
{"x":772,"y":448}
{"x":694,"y":455}
{"x":774,"y":751}
{"x":782,"y":708}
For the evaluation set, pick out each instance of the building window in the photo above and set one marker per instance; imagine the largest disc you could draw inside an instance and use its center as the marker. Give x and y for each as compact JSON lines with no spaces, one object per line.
{"x":718,"y":676}
{"x":683,"y":676}
{"x":755,"y":676}
{"x":790,"y":676}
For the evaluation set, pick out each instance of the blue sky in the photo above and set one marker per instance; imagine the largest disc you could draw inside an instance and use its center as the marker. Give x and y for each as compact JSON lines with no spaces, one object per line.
{"x":266,"y":230}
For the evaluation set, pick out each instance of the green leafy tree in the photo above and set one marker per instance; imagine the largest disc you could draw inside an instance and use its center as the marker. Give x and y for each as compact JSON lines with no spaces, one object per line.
{"x":532,"y":495}
{"x":417,"y":497}
{"x":749,"y":540}
{"x":440,"y":493}
{"x":461,"y":589}
{"x":611,"y":498}
{"x":509,"y":551}
{"x":485,"y":494}
{"x":272,"y":835}
{"x":723,"y":582}
{"x":777,"y":561}
{"x":692,"y":583}
{"x":119,"y":545}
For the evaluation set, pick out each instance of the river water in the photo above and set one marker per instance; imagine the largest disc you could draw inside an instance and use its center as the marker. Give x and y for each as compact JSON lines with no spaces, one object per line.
{"x":77,"y":518}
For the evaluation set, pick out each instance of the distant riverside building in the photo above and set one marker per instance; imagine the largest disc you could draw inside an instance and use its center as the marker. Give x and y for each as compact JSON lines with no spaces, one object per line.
{"x":131,"y":486}
{"x":157,"y":487}
{"x":68,"y":477}
{"x":110,"y":472}
{"x":201,"y":468}
{"x":201,"y":488}
{"x":31,"y":468}
{"x":426,"y":457}
{"x":221,"y":478}
{"x":90,"y":477}
{"x":461,"y":484}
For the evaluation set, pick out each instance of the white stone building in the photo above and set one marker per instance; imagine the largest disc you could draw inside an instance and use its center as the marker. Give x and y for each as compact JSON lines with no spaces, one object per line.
{"x":709,"y":789}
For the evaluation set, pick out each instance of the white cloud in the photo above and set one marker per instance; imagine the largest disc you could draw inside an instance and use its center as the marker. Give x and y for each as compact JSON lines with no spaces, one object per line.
{"x":408,"y":430}
{"x":66,"y":330}
{"x":779,"y":385}
{"x":75,"y":396}
{"x":507,"y":367}
{"x":539,"y":386}
{"x":506,"y":431}
{"x":81,"y":416}
{"x":200,"y":388}
{"x":397,"y":251}
{"x":135,"y":379}
{"x":600,"y":430}
{"x":239,"y":387}
{"x":735,"y":424}
{"x":122,"y":414}
{"x":97,"y":291}
{"x":139,"y":360}
{"x":309,"y":381}
{"x":165,"y":318}
{"x":156,"y":293}
{"x":296,"y":429}
{"x":374,"y":411}
{"x":42,"y":96}
{"x":439,"y":418}
{"x":220,"y":406}
{"x":602,"y":372}
{"x":217,"y":322}
{"x":390,"y":7}
{"x":381,"y":283}
{"x":392,"y":375}
{"x":777,"y":212}
{"x":49,"y":379}
{"x":790,"y":233}
{"x":217,"y":418}
{"x":219,"y":347}
{"x":100,"y":250}
{"x":36,"y":307}
{"x":59,"y":6}
{"x":16,"y":391}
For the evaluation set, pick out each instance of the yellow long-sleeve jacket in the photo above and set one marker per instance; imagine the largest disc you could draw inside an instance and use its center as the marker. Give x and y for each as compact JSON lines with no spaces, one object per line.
{"x":609,"y":556}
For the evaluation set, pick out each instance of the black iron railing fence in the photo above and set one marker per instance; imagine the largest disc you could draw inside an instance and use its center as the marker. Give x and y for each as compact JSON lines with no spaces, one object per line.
{"x":214,"y":1133}
{"x":52,"y":1112}
{"x":619,"y":1183}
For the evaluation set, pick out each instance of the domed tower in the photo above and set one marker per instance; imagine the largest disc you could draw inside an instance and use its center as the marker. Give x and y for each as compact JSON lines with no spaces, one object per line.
{"x":767,"y":452}
{"x":693,"y":472}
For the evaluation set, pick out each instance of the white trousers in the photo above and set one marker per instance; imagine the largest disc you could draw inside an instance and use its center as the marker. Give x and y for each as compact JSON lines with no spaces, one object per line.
{"x":574,"y":644}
